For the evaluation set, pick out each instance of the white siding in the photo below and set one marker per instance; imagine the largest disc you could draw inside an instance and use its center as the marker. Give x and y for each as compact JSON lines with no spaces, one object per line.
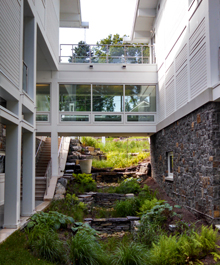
{"x":181,"y":87}
{"x":52,"y":28}
{"x":170,"y":98}
{"x":10,"y":21}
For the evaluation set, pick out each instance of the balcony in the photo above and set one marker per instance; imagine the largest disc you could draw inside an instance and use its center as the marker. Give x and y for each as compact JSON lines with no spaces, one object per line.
{"x":107,"y":54}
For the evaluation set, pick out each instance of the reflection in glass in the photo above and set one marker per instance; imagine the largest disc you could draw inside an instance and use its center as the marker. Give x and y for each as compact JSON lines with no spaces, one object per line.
{"x":108,"y":98}
{"x":41,"y":117}
{"x":140,"y":118}
{"x":74,"y":117}
{"x":43,"y":97}
{"x":140,"y":98}
{"x":2,"y":164}
{"x":75,"y":97}
{"x":108,"y":118}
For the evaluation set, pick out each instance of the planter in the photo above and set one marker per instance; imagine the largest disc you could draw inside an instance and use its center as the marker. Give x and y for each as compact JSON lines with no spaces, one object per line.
{"x":86,"y":166}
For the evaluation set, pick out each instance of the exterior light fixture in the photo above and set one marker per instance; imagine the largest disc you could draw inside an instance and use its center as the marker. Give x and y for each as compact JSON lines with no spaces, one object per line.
{"x":124,"y":66}
{"x":91,"y":66}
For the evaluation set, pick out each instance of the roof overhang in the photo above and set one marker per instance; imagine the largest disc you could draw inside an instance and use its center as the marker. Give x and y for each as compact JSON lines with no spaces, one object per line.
{"x":144,"y":21}
{"x":70,"y":14}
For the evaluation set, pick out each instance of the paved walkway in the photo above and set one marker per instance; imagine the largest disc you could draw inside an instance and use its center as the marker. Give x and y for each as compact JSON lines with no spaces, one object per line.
{"x":4,"y":233}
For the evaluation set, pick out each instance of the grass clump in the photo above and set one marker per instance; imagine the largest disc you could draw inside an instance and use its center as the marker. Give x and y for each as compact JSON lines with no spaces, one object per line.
{"x":129,"y":185}
{"x":127,"y":207}
{"x":85,"y":249}
{"x":89,"y":141}
{"x":83,"y":183}
{"x":132,"y":254}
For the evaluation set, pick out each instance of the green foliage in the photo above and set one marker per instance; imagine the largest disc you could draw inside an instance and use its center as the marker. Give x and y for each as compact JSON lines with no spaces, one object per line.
{"x":53,"y":220}
{"x":69,"y":206}
{"x":132,"y":254}
{"x":129,"y":185}
{"x":85,"y":249}
{"x":159,"y":213}
{"x":80,"y":54}
{"x":146,"y":194}
{"x":127,"y":207}
{"x":45,"y":244}
{"x":118,"y":153}
{"x":85,"y":183}
{"x":185,"y":249}
{"x":89,"y":141}
{"x":149,"y":204}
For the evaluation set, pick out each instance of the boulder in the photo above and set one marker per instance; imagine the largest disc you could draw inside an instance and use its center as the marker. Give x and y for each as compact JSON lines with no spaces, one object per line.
{"x":60,"y":189}
{"x":63,"y":182}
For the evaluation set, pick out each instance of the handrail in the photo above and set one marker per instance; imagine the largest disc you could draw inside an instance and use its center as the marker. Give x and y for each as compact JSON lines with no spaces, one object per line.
{"x":61,"y":145}
{"x":38,"y":149}
{"x":102,"y":53}
{"x":48,"y":175}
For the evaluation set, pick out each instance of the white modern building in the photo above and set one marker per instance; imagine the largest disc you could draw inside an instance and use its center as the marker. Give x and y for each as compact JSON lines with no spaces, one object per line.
{"x":168,"y":91}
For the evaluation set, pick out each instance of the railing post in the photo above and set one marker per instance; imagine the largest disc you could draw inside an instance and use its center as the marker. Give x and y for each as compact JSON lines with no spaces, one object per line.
{"x":142,"y":55}
{"x":107,"y":53}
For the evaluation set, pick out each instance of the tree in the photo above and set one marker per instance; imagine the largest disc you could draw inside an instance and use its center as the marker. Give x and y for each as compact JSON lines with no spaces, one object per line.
{"x":81,"y":53}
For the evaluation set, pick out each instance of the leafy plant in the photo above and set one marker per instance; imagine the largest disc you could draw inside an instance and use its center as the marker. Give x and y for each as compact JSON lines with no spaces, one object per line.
{"x":89,"y":141}
{"x":85,"y":249}
{"x":52,"y":220}
{"x":129,"y":185}
{"x":132,"y":254}
{"x":128,"y":207}
{"x":45,"y":243}
{"x":149,"y":204}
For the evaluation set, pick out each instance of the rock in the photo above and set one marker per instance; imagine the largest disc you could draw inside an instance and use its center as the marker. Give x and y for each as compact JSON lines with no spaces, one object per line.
{"x":129,"y":195}
{"x":63,"y":182}
{"x":60,"y":189}
{"x":58,"y":197}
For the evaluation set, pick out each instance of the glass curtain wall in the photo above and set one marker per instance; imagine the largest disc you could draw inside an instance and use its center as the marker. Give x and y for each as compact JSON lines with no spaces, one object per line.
{"x":73,"y":97}
{"x":43,"y":102}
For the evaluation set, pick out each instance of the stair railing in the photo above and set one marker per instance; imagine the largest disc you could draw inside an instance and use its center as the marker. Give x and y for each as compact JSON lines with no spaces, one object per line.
{"x":60,"y":151}
{"x":48,"y":174}
{"x":38,"y":149}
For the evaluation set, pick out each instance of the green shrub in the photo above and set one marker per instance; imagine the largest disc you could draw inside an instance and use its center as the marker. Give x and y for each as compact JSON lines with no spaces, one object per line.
{"x":132,"y":254}
{"x":70,"y":206}
{"x":147,"y":194}
{"x":129,"y":185}
{"x":89,"y":141}
{"x":53,"y":220}
{"x":128,"y":207}
{"x":85,"y":249}
{"x":45,"y":244}
{"x":84,"y":183}
{"x":148,"y":233}
{"x":149,"y":204}
{"x":83,"y":178}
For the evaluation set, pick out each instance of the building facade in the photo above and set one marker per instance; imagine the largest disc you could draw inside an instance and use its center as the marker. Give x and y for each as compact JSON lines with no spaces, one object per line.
{"x":169,"y":91}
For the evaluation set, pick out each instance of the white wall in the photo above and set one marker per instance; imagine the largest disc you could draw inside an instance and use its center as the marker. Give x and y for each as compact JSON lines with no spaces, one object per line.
{"x":182,"y":52}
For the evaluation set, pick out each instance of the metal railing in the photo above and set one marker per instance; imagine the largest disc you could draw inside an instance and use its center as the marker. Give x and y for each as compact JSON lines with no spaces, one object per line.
{"x":38,"y":149}
{"x":60,"y":151}
{"x":48,"y":175}
{"x":117,"y":53}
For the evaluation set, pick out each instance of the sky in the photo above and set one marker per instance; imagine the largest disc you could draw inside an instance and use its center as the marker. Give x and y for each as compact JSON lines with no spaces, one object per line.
{"x":104,"y":17}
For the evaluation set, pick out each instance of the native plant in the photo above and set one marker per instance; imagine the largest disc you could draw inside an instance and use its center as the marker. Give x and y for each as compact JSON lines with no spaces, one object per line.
{"x":132,"y":254}
{"x":129,"y":185}
{"x":128,"y":207}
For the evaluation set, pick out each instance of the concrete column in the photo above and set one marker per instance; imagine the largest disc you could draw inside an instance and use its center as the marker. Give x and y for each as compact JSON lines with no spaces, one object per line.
{"x":12,"y":177}
{"x":54,"y":153}
{"x":28,"y":182}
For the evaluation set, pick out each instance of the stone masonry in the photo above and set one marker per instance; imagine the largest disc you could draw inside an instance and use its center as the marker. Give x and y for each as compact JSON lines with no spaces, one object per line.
{"x":195,"y":143}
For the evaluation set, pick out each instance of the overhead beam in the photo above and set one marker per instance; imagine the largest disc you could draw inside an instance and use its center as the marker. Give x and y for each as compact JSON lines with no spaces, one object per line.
{"x":146,"y":12}
{"x":142,"y":34}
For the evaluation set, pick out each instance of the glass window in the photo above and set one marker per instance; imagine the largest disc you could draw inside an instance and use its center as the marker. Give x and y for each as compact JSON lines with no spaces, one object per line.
{"x":111,"y":118}
{"x":74,"y":117}
{"x":75,"y":97}
{"x":140,"y":118}
{"x":108,"y":98}
{"x":43,"y":97}
{"x":41,"y":117}
{"x":2,"y":163}
{"x":170,"y":164}
{"x":140,"y":98}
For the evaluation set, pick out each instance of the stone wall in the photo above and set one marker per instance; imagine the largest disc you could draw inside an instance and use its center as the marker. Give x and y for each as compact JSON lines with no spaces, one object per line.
{"x":2,"y":137}
{"x":195,"y":143}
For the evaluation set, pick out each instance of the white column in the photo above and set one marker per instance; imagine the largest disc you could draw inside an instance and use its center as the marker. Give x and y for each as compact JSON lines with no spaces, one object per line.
{"x":103,"y":140}
{"x":28,"y":181}
{"x":12,"y":177}
{"x":54,"y":153}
